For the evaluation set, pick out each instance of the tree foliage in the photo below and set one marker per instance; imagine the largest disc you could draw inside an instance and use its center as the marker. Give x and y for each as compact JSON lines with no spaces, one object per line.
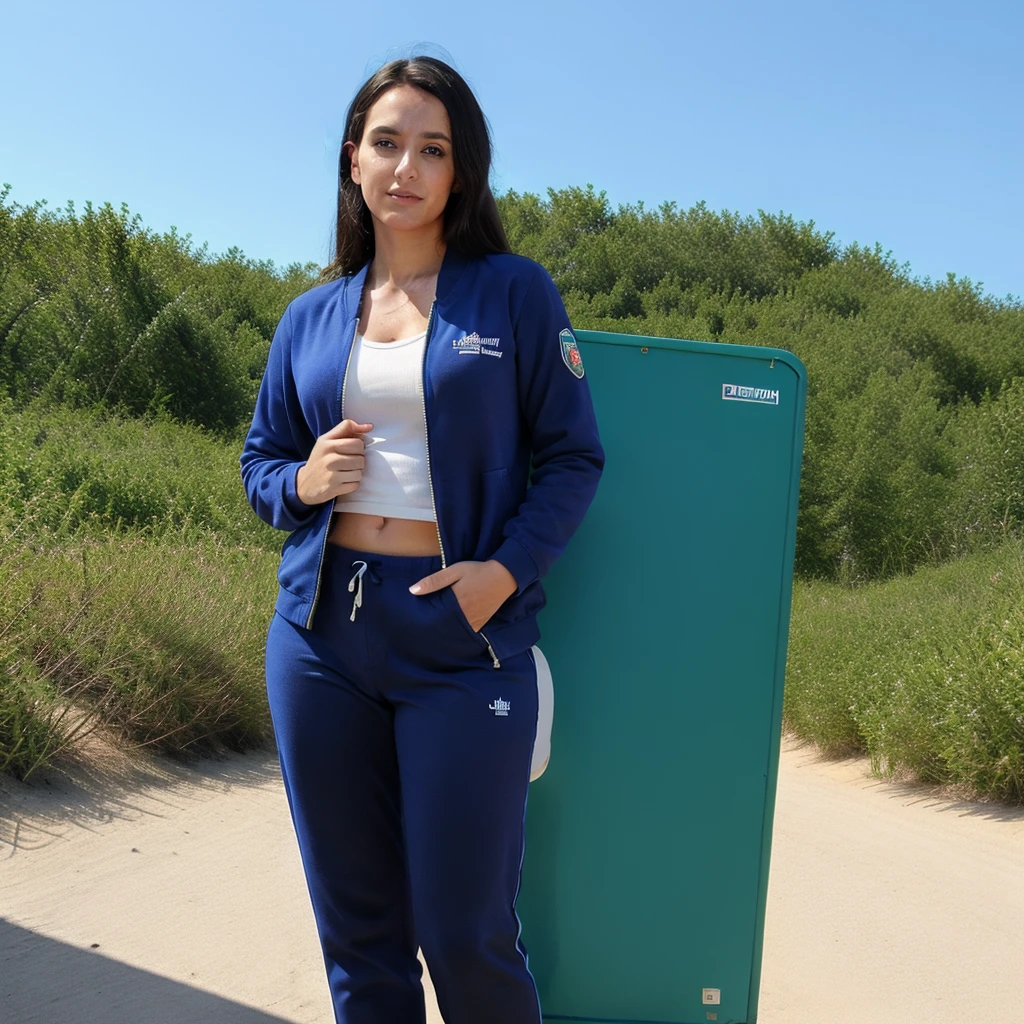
{"x":915,"y":416}
{"x":97,"y":310}
{"x":914,"y":397}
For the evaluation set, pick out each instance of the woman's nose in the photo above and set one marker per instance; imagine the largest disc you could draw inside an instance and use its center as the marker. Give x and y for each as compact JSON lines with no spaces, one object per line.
{"x":406,"y":167}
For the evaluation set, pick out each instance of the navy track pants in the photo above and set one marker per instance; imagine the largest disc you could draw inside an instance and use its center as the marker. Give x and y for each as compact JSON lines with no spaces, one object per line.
{"x":406,"y":759}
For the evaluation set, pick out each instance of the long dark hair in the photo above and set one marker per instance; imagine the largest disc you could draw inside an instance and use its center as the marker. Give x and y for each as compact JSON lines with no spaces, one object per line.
{"x":471,"y":221}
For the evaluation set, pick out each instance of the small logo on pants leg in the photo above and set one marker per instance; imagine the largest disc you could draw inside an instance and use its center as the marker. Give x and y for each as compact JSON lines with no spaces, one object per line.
{"x":501,"y":707}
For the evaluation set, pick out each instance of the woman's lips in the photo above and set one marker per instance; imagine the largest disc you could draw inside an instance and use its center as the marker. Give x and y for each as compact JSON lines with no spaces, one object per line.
{"x":403,"y":197}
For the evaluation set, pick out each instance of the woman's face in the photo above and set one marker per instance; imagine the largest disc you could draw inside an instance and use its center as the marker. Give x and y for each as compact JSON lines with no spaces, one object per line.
{"x":404,"y":162}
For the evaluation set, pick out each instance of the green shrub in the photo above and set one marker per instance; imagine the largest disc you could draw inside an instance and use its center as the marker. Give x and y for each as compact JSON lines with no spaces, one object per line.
{"x":95,"y":308}
{"x":130,"y":361}
{"x":31,"y":723}
{"x":989,"y":452}
{"x":156,"y":641}
{"x":65,"y":471}
{"x":925,"y":673}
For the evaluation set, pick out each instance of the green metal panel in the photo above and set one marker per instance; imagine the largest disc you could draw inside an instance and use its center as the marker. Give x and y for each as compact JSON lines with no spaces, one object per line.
{"x":648,"y":837}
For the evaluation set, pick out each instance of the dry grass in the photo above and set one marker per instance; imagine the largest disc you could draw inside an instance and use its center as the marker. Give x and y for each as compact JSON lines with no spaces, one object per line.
{"x":159,"y":642}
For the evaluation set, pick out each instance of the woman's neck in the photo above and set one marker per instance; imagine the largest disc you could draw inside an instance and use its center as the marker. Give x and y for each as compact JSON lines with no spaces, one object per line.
{"x":402,"y":260}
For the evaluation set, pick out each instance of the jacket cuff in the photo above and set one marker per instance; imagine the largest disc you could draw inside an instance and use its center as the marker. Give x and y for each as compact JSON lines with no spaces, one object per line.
{"x":517,"y":560}
{"x":292,"y":502}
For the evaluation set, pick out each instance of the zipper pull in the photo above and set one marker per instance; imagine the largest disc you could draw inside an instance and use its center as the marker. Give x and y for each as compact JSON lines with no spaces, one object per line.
{"x":497,"y":664}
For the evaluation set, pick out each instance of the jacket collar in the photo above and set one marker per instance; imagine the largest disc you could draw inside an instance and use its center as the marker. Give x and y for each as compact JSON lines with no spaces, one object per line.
{"x":453,"y":265}
{"x":452,"y":268}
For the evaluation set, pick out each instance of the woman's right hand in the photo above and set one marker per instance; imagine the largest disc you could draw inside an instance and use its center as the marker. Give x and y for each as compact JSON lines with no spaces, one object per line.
{"x":335,"y":465}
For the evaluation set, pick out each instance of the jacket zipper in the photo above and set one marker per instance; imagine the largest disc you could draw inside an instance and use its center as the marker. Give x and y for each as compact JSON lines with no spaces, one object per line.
{"x":426,"y":431}
{"x":430,"y":479}
{"x":323,"y":545}
{"x":490,"y":650}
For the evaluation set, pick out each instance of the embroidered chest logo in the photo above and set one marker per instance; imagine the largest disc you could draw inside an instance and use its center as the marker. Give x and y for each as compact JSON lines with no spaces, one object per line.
{"x":501,"y":707}
{"x":474,"y":345}
{"x":571,"y":353}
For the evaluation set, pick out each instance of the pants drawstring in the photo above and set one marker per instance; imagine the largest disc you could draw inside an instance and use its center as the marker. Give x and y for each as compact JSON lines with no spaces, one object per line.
{"x":356,"y":584}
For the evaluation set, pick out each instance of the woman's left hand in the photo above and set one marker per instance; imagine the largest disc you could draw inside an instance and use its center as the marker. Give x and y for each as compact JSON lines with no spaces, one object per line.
{"x":479,"y":587}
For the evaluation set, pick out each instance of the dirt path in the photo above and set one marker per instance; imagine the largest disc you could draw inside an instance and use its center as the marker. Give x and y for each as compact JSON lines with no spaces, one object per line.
{"x":165,"y":896}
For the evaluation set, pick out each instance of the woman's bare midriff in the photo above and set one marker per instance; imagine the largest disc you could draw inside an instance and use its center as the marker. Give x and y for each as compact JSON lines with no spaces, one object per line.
{"x":383,"y":535}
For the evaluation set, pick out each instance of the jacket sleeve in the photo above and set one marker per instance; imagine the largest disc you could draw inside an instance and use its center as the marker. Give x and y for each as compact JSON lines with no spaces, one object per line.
{"x":567,"y":455}
{"x":278,"y":442}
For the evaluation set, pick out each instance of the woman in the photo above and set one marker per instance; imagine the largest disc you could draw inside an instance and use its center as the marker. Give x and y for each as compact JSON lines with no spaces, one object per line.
{"x":402,"y":404}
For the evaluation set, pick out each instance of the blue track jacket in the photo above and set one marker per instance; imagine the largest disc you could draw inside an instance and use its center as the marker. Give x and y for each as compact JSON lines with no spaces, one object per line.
{"x":503,"y":387}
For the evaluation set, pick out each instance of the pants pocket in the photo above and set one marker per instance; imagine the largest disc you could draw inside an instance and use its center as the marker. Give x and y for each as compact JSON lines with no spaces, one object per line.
{"x":455,"y":610}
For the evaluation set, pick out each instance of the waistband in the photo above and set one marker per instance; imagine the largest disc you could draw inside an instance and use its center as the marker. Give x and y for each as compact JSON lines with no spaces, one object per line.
{"x":341,"y":558}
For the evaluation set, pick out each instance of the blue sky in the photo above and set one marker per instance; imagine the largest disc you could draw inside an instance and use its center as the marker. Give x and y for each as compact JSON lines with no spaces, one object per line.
{"x":897,"y":122}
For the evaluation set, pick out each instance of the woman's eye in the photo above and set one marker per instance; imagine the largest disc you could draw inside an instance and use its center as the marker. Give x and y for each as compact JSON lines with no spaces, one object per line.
{"x":434,"y":151}
{"x":384,"y":142}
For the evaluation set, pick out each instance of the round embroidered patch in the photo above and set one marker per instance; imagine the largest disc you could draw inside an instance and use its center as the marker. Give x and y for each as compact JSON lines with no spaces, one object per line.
{"x":571,"y":353}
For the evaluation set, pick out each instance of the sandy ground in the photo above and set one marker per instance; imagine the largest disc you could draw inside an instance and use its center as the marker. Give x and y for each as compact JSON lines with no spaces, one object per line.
{"x":164,"y":895}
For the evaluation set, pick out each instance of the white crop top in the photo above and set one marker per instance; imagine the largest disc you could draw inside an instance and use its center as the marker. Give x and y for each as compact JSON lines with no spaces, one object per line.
{"x":383,"y":388}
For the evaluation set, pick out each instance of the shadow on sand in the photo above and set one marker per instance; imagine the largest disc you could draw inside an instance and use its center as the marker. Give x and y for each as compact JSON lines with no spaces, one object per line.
{"x":43,"y":981}
{"x":902,"y":786}
{"x":107,"y":785}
